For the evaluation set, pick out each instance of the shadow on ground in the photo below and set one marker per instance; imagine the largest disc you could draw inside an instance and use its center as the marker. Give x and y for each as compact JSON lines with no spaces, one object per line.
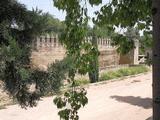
{"x":146,"y":103}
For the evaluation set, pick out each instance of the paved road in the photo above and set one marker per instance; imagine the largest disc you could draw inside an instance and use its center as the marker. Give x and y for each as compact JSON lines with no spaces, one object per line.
{"x":129,"y":99}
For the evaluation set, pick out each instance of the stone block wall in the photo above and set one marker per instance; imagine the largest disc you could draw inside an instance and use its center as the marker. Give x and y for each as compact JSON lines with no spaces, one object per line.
{"x":47,"y":49}
{"x":108,"y":57}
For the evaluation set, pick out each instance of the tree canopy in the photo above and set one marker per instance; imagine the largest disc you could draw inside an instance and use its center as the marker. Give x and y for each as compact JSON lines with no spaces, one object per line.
{"x":18,"y":27}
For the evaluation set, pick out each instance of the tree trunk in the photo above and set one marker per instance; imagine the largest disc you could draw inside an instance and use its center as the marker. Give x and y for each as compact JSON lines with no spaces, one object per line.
{"x":94,"y":73}
{"x":156,"y":59}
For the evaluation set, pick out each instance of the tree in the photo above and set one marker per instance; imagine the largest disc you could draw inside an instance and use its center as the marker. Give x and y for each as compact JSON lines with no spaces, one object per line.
{"x":138,"y":13}
{"x":146,"y":42}
{"x":156,"y":61}
{"x":94,"y":65}
{"x":55,"y":26}
{"x":18,"y":27}
{"x":100,"y":31}
{"x":80,"y":51}
{"x":126,"y":40}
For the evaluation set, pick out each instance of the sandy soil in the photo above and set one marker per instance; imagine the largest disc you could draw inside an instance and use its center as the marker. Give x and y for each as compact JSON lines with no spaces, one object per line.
{"x":129,"y":99}
{"x":4,"y":97}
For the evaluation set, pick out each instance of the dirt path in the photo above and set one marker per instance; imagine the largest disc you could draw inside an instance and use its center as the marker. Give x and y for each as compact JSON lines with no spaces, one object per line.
{"x":121,"y":100}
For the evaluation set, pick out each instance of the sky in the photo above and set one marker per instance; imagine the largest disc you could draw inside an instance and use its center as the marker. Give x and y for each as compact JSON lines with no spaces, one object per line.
{"x":47,"y":6}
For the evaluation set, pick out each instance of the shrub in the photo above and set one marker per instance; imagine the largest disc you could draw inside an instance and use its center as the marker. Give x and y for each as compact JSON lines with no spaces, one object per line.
{"x":58,"y":73}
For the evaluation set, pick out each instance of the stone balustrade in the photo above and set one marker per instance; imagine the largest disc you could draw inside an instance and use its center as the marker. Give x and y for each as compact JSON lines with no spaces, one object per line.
{"x":50,"y":42}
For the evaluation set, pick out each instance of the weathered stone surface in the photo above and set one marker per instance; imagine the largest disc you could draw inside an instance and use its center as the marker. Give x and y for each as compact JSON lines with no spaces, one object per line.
{"x":47,"y":49}
{"x":108,"y":57}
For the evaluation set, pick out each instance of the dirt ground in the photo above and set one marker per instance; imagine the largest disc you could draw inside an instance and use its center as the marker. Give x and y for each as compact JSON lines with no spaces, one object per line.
{"x":129,"y":99}
{"x":4,"y":97}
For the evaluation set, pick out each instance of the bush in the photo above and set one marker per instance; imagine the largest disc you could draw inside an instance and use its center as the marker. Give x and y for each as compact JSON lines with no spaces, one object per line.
{"x":57,"y":73}
{"x":123,"y":72}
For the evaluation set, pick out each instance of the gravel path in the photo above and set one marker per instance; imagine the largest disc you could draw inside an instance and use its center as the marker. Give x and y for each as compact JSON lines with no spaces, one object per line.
{"x":129,"y":99}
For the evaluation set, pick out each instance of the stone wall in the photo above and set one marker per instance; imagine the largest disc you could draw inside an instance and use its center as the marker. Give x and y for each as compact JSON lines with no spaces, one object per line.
{"x":42,"y":59}
{"x":47,"y":49}
{"x":108,"y":57}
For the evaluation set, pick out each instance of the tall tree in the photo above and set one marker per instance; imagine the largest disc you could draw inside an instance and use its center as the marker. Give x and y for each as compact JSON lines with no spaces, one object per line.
{"x":94,"y":64}
{"x":18,"y":27}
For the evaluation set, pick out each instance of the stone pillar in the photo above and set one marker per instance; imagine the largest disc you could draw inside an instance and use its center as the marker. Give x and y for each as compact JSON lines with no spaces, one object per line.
{"x":136,"y":52}
{"x":107,"y":43}
{"x":98,"y":40}
{"x":89,"y":39}
{"x":38,"y":43}
{"x":56,"y":42}
{"x":43,"y":42}
{"x":52,"y":41}
{"x":34,"y":44}
{"x":47,"y":41}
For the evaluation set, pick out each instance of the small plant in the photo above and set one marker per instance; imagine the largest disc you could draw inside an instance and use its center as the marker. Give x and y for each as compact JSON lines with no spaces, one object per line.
{"x":70,"y":103}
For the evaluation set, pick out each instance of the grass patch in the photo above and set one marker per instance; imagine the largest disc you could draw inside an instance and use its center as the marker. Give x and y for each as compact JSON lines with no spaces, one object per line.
{"x":123,"y":72}
{"x":81,"y":81}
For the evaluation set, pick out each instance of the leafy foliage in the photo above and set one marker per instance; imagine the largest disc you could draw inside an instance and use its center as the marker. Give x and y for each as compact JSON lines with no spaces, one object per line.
{"x":126,"y":41}
{"x":58,"y":72}
{"x":54,"y":26}
{"x":16,"y":75}
{"x":19,"y":77}
{"x":18,"y":27}
{"x":94,"y":64}
{"x":95,"y":2}
{"x":115,"y":14}
{"x":124,"y":14}
{"x":81,"y":52}
{"x":100,"y":31}
{"x":71,"y":103}
{"x":146,"y":43}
